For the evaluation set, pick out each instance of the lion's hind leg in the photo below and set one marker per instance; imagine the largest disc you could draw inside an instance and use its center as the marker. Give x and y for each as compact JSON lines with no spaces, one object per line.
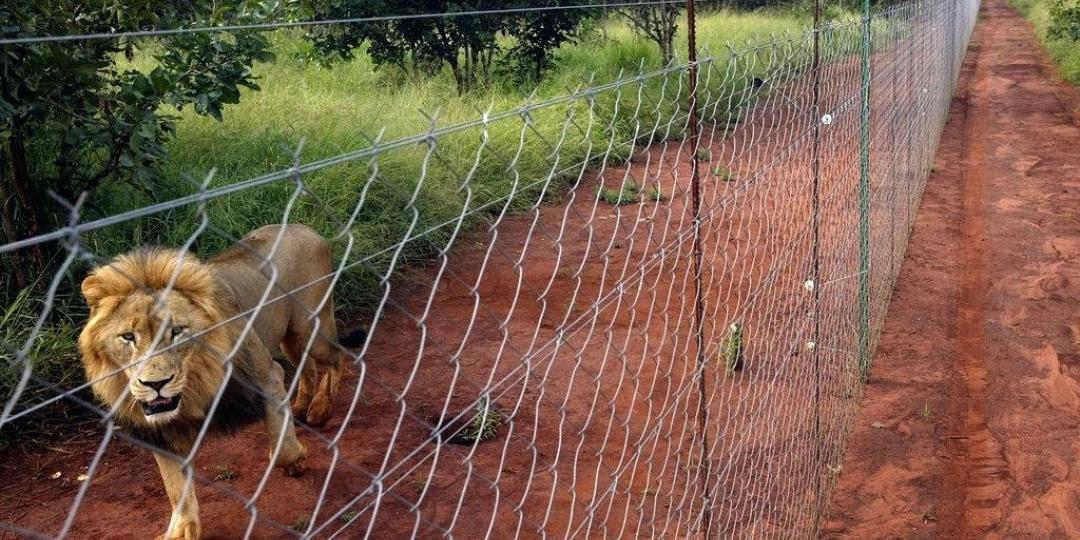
{"x":307,"y":373}
{"x":324,"y":354}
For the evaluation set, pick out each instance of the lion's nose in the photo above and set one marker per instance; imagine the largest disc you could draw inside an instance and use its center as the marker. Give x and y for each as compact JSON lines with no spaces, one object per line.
{"x":156,"y":385}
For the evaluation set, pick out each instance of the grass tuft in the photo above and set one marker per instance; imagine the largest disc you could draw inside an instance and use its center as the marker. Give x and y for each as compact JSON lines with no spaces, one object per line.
{"x":656,"y":194}
{"x":224,"y":473}
{"x":731,"y":350}
{"x":627,"y":194}
{"x":723,"y":173}
{"x":484,"y":425}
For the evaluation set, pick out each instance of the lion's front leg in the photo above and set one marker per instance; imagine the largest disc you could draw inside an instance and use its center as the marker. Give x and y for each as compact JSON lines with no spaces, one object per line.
{"x":292,"y":454}
{"x":184,"y":523}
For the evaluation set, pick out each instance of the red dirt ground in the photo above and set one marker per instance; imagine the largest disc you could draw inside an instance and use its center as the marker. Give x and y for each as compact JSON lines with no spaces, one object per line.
{"x":970,"y":426}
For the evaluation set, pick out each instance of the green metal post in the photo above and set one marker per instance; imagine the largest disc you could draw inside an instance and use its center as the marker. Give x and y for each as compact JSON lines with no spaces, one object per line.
{"x":864,"y":200}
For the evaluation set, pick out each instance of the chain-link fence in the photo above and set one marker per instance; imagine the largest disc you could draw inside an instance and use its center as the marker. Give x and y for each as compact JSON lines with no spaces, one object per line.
{"x":664,"y":333}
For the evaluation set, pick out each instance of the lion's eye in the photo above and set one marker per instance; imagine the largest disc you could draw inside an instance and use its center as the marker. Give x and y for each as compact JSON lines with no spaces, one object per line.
{"x":128,"y":336}
{"x":177,"y":330}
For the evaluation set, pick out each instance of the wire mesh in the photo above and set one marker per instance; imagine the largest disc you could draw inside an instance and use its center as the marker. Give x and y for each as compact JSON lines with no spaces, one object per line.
{"x":557,"y":314}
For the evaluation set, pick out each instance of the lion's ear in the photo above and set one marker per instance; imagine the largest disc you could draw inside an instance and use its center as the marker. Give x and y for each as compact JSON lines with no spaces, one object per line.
{"x":94,"y":290}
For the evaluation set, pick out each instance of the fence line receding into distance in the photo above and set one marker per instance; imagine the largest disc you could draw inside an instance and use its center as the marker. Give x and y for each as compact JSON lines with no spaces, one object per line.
{"x":668,"y":325}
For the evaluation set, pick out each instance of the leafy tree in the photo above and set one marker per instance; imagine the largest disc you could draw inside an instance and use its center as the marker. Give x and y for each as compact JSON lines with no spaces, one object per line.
{"x":75,"y":114}
{"x":656,"y":22}
{"x":469,"y":45}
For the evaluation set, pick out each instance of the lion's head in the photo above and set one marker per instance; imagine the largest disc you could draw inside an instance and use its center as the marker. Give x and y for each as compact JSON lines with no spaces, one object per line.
{"x":152,"y":346}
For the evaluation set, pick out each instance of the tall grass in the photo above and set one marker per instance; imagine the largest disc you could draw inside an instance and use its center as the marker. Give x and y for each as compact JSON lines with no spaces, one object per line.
{"x":347,"y":106}
{"x":1064,"y":51}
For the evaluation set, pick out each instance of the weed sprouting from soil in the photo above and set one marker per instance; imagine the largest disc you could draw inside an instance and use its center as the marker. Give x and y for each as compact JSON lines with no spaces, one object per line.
{"x":626,"y":195}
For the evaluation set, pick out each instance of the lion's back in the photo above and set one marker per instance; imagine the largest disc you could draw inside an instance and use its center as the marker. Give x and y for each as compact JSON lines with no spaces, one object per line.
{"x":301,"y":265}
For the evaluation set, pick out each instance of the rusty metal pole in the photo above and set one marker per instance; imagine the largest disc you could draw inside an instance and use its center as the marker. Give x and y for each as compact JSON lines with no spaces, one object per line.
{"x":699,"y":303}
{"x":815,"y":271}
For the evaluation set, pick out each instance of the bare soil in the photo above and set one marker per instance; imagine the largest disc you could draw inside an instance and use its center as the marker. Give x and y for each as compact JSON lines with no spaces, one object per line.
{"x":969,"y":426}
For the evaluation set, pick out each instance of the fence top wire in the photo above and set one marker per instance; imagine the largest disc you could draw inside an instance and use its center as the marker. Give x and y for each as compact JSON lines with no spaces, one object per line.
{"x":327,"y":22}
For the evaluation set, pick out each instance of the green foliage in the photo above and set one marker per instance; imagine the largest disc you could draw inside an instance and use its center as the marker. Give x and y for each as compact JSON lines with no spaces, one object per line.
{"x":625,"y":194}
{"x":52,"y":357}
{"x":72,"y":118}
{"x":658,"y":23}
{"x":731,"y":349}
{"x":1056,"y":23}
{"x":522,"y":43}
{"x":703,"y":154}
{"x":1064,"y":20}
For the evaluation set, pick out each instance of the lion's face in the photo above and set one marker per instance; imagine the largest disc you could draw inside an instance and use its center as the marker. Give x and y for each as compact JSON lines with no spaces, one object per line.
{"x":150,"y":342}
{"x":147,"y":334}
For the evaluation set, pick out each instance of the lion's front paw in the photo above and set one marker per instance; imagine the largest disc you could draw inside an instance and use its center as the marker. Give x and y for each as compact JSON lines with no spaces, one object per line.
{"x":183,"y":529}
{"x":296,"y":464}
{"x":295,"y":468}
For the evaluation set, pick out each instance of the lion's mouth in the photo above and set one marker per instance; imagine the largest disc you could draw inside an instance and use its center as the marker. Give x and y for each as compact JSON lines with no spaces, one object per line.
{"x":160,"y":405}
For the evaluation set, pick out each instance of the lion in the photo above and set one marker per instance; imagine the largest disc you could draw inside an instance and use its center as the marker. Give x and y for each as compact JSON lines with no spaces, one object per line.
{"x":166,"y":332}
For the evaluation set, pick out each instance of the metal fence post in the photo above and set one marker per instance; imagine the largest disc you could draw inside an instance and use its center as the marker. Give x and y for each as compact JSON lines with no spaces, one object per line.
{"x":699,"y":305}
{"x":864,"y":200}
{"x":815,"y":270}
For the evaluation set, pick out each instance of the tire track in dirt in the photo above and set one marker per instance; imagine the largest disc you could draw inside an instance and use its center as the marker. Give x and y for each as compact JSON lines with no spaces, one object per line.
{"x":976,"y":463}
{"x":971,"y":423}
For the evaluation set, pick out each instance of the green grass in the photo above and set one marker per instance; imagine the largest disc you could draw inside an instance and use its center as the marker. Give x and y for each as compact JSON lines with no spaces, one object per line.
{"x":627,"y":194}
{"x":723,"y":173}
{"x":344,"y":108}
{"x":1065,"y":52}
{"x":484,"y":425}
{"x":656,"y":194}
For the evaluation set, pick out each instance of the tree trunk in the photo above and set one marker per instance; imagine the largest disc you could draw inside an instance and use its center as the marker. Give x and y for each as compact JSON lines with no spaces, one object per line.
{"x":22,"y":214}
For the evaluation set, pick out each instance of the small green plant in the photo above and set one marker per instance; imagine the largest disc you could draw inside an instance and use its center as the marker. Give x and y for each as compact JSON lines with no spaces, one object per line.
{"x":926,"y":412}
{"x":723,"y":173}
{"x":731,"y":350}
{"x":626,"y":195}
{"x":656,"y":194}
{"x":224,"y":473}
{"x":704,"y":154}
{"x":301,"y":523}
{"x":348,"y":516}
{"x":484,"y":425}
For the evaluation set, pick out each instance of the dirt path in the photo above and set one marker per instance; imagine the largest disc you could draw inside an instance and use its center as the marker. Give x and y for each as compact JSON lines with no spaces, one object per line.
{"x":969,"y":428}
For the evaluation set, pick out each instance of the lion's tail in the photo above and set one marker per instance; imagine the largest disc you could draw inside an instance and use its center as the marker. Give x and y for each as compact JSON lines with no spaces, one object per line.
{"x":353,"y":338}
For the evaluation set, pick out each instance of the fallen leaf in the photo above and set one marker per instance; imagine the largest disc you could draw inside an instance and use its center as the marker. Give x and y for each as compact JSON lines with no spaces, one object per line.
{"x":55,"y":475}
{"x":878,"y":425}
{"x":82,"y":477}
